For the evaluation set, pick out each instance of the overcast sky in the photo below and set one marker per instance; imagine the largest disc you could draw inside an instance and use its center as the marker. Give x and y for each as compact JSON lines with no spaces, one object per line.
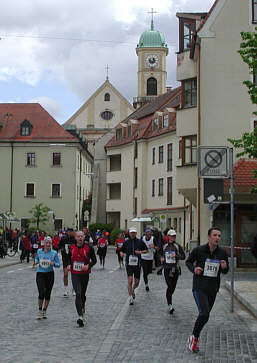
{"x":56,"y":52}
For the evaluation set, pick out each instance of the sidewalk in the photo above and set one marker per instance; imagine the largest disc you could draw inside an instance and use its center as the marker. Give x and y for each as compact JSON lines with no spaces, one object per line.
{"x":245,"y":289}
{"x":9,"y":261}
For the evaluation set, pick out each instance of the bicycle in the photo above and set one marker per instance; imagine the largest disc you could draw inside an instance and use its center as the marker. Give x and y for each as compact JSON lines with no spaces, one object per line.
{"x":13,"y":248}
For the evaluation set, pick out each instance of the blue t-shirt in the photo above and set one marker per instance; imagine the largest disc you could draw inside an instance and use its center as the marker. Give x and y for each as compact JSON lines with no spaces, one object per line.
{"x":44,"y":258}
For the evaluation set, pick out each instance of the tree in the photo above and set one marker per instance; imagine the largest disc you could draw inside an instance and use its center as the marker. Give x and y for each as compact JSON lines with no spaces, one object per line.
{"x":39,"y":214}
{"x":248,"y":52}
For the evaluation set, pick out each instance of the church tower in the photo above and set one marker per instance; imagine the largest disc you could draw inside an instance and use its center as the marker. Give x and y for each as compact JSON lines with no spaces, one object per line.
{"x":151,"y":51}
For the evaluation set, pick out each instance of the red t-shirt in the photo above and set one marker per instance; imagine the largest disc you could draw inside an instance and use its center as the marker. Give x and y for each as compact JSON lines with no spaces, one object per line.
{"x":80,"y":256}
{"x":118,"y":243}
{"x":102,"y":242}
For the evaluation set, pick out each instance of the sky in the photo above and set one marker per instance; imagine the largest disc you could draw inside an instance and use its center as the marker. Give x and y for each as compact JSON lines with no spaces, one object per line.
{"x":56,"y":52}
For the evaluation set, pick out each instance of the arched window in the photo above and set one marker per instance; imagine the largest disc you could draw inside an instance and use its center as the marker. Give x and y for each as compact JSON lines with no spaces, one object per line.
{"x":107,"y":97}
{"x":151,"y":87}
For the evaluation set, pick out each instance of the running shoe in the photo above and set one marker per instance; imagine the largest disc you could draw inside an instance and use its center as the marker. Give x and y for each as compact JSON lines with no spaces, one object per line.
{"x":193,"y":344}
{"x":133,"y":295}
{"x":131,"y":301}
{"x":73,"y":293}
{"x":65,"y":294}
{"x":147,"y":288}
{"x":40,"y":314}
{"x":44,"y":314}
{"x":171,"y":309}
{"x":80,"y":322}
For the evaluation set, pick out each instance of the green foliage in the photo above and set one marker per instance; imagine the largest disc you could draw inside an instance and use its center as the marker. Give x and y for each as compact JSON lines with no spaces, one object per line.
{"x":101,"y":226}
{"x":248,"y":142}
{"x":114,"y":235}
{"x":39,"y":214}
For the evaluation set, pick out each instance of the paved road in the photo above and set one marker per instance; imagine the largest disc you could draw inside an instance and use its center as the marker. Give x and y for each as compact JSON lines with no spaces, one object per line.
{"x":115,"y":331}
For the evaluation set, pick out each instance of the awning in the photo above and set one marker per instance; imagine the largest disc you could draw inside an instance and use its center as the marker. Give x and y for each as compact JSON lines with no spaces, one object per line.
{"x":7,"y":217}
{"x":141,"y":219}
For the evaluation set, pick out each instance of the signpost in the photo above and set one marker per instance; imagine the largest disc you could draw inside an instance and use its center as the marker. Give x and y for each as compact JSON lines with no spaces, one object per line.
{"x":217,"y":162}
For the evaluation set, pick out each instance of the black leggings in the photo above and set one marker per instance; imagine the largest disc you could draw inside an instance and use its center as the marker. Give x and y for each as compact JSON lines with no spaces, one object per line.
{"x":147,"y":266}
{"x":204,"y":301}
{"x":79,"y":283}
{"x":171,"y":282}
{"x":45,"y":283}
{"x":120,"y":259}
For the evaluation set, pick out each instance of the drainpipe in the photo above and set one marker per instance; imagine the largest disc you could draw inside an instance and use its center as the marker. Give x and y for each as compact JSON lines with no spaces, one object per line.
{"x":80,"y":171}
{"x":184,"y":226}
{"x":11,"y":183}
{"x":199,"y":139}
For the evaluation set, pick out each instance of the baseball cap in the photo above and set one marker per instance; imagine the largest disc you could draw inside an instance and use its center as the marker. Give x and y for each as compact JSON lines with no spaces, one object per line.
{"x":148,"y":230}
{"x":171,"y":232}
{"x":132,"y":229}
{"x":69,"y":229}
{"x":48,"y":239}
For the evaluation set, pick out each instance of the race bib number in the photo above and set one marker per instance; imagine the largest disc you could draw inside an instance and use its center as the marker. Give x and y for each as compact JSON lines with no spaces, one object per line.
{"x":44,"y":263}
{"x":133,"y":260}
{"x":102,"y":245}
{"x":211,"y":267}
{"x":170,"y":257}
{"x":35,"y":245}
{"x":77,"y":266}
{"x":119,"y":245}
{"x":67,"y":248}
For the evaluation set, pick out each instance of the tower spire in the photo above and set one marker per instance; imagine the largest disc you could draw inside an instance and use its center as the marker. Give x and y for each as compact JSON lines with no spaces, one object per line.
{"x":152,"y":12}
{"x":107,"y":72}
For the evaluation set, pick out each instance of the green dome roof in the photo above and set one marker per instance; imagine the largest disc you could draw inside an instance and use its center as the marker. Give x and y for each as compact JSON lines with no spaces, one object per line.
{"x":152,"y":38}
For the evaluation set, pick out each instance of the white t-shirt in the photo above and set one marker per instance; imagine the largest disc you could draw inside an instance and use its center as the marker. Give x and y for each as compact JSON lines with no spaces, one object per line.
{"x":149,"y":255}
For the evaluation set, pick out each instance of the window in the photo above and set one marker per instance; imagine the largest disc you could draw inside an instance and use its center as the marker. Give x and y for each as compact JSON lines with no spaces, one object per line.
{"x":30,"y":159}
{"x":107,"y":97}
{"x":25,"y":128}
{"x":135,"y":178}
{"x":56,"y":190}
{"x":160,"y":191}
{"x":115,"y":162}
{"x":186,"y":33}
{"x":190,"y":93}
{"x":56,"y":159}
{"x":57,"y":224}
{"x":30,"y":190}
{"x":107,"y":115}
{"x":153,"y":155}
{"x":254,"y":11}
{"x":24,"y":223}
{"x":169,"y":157}
{"x":118,"y":134}
{"x":155,"y":124}
{"x":175,"y":223}
{"x":165,"y":121}
{"x":151,"y":87}
{"x":129,"y":131}
{"x":160,"y":154}
{"x":189,"y":150}
{"x":169,"y":190}
{"x":115,"y":191}
{"x":153,"y":188}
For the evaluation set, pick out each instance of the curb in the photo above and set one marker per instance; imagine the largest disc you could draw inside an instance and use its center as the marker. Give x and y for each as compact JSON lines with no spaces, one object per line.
{"x":9,"y":264}
{"x":242,"y":300}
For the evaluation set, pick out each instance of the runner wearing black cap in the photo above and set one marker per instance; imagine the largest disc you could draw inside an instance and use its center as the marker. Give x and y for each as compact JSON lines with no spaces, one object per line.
{"x":206,"y":262}
{"x":133,"y":248}
{"x":171,"y":254}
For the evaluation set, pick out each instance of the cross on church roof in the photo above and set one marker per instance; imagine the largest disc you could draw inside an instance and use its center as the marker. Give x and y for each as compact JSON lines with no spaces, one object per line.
{"x":152,"y":12}
{"x":107,"y":71}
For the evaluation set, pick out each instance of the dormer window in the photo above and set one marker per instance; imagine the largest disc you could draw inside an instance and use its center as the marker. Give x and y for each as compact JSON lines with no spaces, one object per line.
{"x":155,"y":124}
{"x":118,"y":134}
{"x":25,"y":128}
{"x":107,"y":97}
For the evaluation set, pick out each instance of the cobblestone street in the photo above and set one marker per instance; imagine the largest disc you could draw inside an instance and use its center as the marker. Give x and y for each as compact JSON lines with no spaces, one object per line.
{"x":115,"y":331}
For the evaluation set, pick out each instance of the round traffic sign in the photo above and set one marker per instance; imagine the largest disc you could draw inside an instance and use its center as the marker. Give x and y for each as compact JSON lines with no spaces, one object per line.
{"x":213,"y":158}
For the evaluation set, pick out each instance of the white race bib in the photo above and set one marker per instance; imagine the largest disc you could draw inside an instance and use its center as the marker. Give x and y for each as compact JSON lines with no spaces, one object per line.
{"x":133,"y":260}
{"x":170,"y":257}
{"x":67,"y":248}
{"x":35,"y":245}
{"x":77,"y":266}
{"x":102,"y":245}
{"x":119,"y":244}
{"x":211,"y":268}
{"x":44,"y":263}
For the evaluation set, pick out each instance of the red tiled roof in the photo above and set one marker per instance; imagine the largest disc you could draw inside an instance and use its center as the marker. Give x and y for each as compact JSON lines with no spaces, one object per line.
{"x":45,"y":127}
{"x":244,"y":179}
{"x":207,"y":16}
{"x":144,"y":116}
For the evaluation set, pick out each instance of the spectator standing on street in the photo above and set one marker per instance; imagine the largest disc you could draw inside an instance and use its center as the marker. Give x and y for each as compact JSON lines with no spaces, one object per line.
{"x":46,"y":259}
{"x":206,"y":262}
{"x":81,"y":259}
{"x":133,"y":248}
{"x":171,"y":253}
{"x":26,"y":248}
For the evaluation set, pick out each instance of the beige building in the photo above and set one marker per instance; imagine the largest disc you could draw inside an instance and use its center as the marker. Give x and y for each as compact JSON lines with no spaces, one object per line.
{"x":42,"y":163}
{"x":141,"y":170}
{"x":215,"y":106}
{"x":100,"y":113}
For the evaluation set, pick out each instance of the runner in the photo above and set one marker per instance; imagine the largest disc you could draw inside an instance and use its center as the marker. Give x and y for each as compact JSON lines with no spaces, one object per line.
{"x":56,"y":241}
{"x":147,"y":258}
{"x":35,"y":246}
{"x":119,"y":243}
{"x":81,"y":259}
{"x":206,"y":262}
{"x":46,"y":259}
{"x":102,"y":248}
{"x":171,"y":254}
{"x":65,"y":242}
{"x":133,"y":248}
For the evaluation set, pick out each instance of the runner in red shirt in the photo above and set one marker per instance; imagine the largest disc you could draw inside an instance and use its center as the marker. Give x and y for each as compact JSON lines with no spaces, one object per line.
{"x":119,"y":243}
{"x":56,"y":241}
{"x":102,"y":248}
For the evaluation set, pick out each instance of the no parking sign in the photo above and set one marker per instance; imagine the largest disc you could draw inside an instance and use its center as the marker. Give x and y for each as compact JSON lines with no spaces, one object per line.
{"x":213,"y":162}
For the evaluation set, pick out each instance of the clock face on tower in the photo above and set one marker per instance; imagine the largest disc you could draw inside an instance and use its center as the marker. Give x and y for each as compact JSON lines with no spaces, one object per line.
{"x":151,"y":60}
